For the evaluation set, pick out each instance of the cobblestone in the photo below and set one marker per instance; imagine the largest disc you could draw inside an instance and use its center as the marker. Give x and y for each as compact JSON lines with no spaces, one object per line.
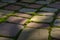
{"x":57,"y":22}
{"x":12,"y":7}
{"x":55,"y":33}
{"x":34,"y":6}
{"x":42,"y":19}
{"x":42,"y":2}
{"x":4,"y":13}
{"x":37,"y":25}
{"x":20,"y":3}
{"x":23,"y":15}
{"x":34,"y":34}
{"x":6,"y":29}
{"x":55,"y":5}
{"x":27,"y":10}
{"x":18,"y":20}
{"x":2,"y":38}
{"x":49,"y":9}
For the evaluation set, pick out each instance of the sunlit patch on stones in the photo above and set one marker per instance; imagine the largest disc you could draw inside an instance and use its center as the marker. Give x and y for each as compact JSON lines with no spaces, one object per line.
{"x":42,"y":18}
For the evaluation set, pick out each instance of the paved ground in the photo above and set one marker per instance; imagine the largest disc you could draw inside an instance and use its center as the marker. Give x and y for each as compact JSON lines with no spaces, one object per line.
{"x":29,"y":20}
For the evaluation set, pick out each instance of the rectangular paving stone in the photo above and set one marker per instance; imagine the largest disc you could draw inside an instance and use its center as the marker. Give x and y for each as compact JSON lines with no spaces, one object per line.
{"x":5,"y":12}
{"x":37,"y":25}
{"x":42,"y":18}
{"x":42,"y":2}
{"x":55,"y":33}
{"x":9,"y":29}
{"x":48,"y":9}
{"x":34,"y":34}
{"x":12,"y":7}
{"x":29,"y":1}
{"x":21,"y":3}
{"x":34,"y":6}
{"x":46,"y":13}
{"x":2,"y":4}
{"x":23,"y":15}
{"x":9,"y":1}
{"x":2,"y":38}
{"x":18,"y":20}
{"x":57,"y":22}
{"x":27,"y":10}
{"x":55,"y":5}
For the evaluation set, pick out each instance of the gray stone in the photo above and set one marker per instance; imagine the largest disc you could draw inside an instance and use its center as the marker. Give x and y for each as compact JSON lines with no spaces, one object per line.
{"x":55,"y":5}
{"x":49,"y":9}
{"x":55,"y":33}
{"x":12,"y":7}
{"x":57,"y":22}
{"x":34,"y":34}
{"x":2,"y":38}
{"x":5,"y":12}
{"x":8,"y":29}
{"x":18,"y":20}
{"x":37,"y":25}
{"x":23,"y":15}
{"x":20,"y":3}
{"x":27,"y":10}
{"x":42,"y":2}
{"x":34,"y":6}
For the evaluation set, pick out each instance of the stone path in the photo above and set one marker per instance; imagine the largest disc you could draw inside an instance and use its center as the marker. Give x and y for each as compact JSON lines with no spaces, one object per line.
{"x":29,"y":20}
